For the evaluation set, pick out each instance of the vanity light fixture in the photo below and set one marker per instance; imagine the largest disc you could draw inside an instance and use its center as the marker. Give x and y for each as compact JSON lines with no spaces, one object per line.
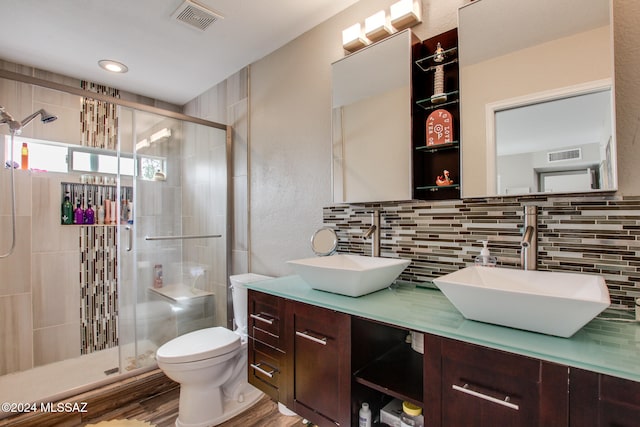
{"x":162,"y":133}
{"x":353,"y":39}
{"x":405,"y":14}
{"x":142,"y":144}
{"x":113,"y":66}
{"x":377,"y":26}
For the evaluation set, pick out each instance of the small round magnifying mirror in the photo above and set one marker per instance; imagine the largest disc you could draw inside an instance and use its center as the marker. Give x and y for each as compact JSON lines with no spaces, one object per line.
{"x":324,"y":241}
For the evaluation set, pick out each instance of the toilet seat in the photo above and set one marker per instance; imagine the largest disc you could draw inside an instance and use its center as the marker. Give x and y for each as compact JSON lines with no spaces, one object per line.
{"x":199,"y":345}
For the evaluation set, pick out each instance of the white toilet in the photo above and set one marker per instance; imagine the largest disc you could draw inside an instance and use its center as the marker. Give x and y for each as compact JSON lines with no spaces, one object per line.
{"x":211,"y":366}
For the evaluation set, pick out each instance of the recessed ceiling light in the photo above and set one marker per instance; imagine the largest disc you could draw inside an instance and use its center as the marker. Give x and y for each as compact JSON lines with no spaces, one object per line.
{"x":113,"y":66}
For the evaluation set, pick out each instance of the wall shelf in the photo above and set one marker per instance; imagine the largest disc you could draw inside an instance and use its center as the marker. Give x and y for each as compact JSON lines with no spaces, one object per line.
{"x":455,"y":145}
{"x":427,"y":63}
{"x":429,"y":162}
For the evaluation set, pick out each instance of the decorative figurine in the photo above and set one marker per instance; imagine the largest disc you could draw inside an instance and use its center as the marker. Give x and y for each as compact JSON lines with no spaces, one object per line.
{"x":439,"y":128}
{"x":444,"y":179}
{"x":438,"y":79}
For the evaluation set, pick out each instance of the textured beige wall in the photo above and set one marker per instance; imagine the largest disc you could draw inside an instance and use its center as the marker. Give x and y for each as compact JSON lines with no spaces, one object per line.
{"x":290,"y":131}
{"x":290,"y":125}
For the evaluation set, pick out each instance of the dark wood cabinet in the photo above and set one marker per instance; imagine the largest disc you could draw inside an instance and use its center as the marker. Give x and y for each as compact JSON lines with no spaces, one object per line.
{"x":473,"y":386}
{"x":321,"y":364}
{"x":598,"y":400}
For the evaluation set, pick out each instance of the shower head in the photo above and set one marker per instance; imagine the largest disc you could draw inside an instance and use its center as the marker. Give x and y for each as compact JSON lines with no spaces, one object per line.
{"x":44,"y":117}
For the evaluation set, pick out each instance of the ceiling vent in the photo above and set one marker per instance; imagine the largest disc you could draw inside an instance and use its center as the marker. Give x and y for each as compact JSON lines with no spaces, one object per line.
{"x":559,"y":156}
{"x":195,"y":15}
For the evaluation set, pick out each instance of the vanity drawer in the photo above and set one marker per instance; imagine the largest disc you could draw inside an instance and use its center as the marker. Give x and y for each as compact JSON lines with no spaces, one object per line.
{"x":265,"y":318}
{"x":265,"y":365}
{"x":486,"y":387}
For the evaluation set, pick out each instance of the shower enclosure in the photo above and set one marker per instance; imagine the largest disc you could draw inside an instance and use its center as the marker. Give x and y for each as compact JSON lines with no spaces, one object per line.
{"x":85,"y":303}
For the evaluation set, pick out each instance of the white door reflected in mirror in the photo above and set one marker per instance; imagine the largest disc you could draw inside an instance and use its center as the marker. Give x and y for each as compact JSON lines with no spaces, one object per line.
{"x":555,"y":145}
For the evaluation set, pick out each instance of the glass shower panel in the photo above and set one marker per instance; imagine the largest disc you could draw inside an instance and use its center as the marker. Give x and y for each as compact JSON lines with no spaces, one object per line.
{"x":177,"y":264}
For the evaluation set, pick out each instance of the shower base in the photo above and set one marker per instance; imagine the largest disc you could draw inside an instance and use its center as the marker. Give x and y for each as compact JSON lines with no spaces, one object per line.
{"x":55,"y":381}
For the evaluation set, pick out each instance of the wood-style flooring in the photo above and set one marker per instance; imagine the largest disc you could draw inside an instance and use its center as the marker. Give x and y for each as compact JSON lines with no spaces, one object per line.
{"x":162,"y":410}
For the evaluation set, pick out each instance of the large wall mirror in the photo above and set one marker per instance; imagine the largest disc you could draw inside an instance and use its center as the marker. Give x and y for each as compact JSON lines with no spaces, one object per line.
{"x":371,"y":122}
{"x":536,"y":91}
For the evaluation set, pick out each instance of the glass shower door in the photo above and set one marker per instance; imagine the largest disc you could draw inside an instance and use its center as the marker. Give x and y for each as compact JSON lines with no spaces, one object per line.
{"x":174,"y":275}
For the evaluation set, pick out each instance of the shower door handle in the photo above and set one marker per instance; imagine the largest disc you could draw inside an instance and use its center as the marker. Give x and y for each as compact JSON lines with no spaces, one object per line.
{"x":130,"y":230}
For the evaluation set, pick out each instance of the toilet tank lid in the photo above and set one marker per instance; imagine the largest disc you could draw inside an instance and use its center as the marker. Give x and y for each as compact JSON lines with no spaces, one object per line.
{"x":199,"y":345}
{"x":248,"y":278}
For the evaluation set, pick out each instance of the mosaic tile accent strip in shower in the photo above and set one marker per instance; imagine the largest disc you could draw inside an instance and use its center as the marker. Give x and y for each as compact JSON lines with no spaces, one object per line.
{"x":597,"y":234}
{"x":99,"y":119}
{"x":98,"y":288}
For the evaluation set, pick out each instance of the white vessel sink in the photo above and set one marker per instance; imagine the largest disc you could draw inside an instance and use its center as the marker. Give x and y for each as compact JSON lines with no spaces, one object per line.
{"x":539,"y":301}
{"x":351,"y":275}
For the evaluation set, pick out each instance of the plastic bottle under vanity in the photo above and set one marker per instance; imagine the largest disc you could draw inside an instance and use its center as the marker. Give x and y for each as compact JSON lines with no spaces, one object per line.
{"x":485,"y":259}
{"x":364,"y":416}
{"x":411,"y":415}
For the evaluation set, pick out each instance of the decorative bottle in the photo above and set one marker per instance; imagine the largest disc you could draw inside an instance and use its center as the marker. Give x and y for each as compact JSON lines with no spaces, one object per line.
{"x":67,"y":210}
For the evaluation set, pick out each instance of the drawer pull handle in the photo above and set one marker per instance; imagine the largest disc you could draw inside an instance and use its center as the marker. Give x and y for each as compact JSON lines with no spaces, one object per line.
{"x":306,"y":335}
{"x":257,"y":367}
{"x":261,"y":319}
{"x":465,"y":389}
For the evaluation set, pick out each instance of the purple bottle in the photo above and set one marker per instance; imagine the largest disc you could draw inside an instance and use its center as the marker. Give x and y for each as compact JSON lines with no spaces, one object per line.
{"x":78,"y":215}
{"x":89,"y":215}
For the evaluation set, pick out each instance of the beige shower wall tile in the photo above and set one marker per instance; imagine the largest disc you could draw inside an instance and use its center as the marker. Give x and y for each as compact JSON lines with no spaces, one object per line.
{"x":48,"y":234}
{"x":56,"y":288}
{"x":56,"y":343}
{"x":22,"y":181}
{"x":15,"y":270}
{"x":16,"y":339}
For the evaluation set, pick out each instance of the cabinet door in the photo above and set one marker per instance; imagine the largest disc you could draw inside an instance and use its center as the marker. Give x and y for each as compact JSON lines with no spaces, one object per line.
{"x":486,"y":388}
{"x":322,"y":389}
{"x":603,"y":401}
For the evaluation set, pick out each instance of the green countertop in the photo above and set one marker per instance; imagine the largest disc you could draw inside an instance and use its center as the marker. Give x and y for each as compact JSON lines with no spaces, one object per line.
{"x":603,"y":346}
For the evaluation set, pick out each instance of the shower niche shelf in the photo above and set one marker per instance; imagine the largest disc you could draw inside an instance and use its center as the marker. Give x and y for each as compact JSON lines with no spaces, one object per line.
{"x":85,"y":194}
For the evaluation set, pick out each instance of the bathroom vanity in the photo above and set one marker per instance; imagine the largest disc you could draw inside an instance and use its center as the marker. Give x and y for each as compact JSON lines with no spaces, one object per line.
{"x":323,"y":354}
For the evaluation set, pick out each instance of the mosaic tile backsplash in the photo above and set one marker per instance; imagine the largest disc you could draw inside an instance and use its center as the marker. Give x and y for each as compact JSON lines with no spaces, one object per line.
{"x":587,"y":234}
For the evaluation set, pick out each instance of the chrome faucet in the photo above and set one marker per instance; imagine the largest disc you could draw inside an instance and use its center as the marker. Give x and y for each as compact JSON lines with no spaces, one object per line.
{"x":529,"y":242}
{"x":374,"y":233}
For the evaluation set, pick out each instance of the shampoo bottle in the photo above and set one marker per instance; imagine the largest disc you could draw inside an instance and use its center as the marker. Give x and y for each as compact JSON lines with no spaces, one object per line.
{"x":100,"y":214}
{"x":25,"y":157}
{"x":67,"y":210}
{"x":89,"y":215}
{"x":485,"y":258}
{"x":78,"y":216}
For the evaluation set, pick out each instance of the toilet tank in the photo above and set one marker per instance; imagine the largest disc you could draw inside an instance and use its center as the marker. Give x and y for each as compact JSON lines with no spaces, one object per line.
{"x":239,"y":296}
